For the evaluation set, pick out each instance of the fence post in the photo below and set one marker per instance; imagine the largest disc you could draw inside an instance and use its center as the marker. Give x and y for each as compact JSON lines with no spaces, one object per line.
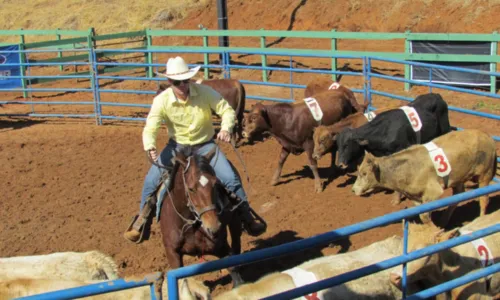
{"x":149,"y":55}
{"x":92,"y":71}
{"x":263,"y":57}
{"x":22,"y":59}
{"x":493,"y":65}
{"x":334,"y":59}
{"x":407,"y":67}
{"x":205,"y":55}
{"x":59,"y":53}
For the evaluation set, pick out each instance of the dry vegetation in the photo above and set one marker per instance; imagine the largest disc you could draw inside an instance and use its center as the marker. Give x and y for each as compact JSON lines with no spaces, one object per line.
{"x":106,"y":16}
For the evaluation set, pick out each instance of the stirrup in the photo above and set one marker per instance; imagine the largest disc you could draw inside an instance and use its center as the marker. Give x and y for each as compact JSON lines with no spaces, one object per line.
{"x":141,"y":230}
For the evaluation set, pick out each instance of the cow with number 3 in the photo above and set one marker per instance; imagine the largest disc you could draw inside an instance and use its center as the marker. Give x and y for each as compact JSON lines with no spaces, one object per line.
{"x":423,"y":172}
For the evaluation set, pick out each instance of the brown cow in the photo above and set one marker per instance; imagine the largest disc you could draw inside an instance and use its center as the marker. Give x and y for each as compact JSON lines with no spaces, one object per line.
{"x":320,"y":85}
{"x":324,"y":136}
{"x":292,"y":125}
{"x":457,"y":261}
{"x":471,"y":156}
{"x":230,"y":89}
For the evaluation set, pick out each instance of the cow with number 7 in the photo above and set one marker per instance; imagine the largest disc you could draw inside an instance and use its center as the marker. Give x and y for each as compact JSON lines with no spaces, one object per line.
{"x":422,"y":172}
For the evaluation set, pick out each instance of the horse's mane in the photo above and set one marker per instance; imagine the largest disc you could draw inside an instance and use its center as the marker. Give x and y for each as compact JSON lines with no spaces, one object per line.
{"x":203,"y":164}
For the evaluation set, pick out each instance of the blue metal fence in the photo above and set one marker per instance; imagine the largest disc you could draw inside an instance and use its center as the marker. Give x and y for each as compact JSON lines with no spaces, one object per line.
{"x":96,"y":89}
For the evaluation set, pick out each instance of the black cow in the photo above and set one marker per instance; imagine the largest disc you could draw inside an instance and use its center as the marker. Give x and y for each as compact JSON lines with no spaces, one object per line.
{"x":391,"y":131}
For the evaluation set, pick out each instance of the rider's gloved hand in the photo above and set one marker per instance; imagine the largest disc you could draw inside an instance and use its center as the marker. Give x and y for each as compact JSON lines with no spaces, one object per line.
{"x":153,"y":154}
{"x":224,"y":135}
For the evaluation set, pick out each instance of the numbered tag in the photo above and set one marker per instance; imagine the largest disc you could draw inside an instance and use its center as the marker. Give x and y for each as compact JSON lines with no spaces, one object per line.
{"x":370,"y":116}
{"x":413,"y":117}
{"x":439,"y":159}
{"x":334,"y":86}
{"x":313,"y":106}
{"x":302,"y":277}
{"x":482,"y":249}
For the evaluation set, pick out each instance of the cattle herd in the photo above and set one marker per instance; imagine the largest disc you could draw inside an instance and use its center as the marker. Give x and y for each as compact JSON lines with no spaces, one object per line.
{"x":409,"y":149}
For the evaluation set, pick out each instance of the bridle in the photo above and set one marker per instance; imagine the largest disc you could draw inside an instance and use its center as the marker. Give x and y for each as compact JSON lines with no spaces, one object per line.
{"x":197,"y":214}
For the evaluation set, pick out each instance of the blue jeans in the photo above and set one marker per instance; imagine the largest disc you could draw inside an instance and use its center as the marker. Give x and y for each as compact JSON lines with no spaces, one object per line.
{"x":224,"y":171}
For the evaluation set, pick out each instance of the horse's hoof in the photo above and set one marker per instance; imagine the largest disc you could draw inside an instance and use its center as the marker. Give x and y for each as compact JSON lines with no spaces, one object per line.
{"x":395,"y":202}
{"x":318,"y":189}
{"x":274,"y":181}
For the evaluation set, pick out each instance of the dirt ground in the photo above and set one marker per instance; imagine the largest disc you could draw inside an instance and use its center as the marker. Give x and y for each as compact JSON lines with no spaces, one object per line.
{"x":70,"y":185}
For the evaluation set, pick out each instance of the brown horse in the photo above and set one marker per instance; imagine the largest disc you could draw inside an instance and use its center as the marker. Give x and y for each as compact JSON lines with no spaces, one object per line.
{"x":230,"y":89}
{"x":195,"y":213}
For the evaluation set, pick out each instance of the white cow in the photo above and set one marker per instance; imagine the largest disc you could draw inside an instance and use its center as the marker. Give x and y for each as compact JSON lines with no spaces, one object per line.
{"x":91,"y":265}
{"x":28,"y":287}
{"x":455,"y":262}
{"x":375,"y":286}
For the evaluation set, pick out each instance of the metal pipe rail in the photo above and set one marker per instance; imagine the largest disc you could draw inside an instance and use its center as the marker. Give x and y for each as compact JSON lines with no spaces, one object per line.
{"x":325,"y":238}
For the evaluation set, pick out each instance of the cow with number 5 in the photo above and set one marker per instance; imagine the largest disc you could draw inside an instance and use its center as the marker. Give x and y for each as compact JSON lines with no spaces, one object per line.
{"x":422,"y":172}
{"x":422,"y":120}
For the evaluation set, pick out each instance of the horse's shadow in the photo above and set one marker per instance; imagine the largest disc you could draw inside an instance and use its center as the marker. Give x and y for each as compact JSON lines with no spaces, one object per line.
{"x":254,"y":271}
{"x":18,"y":124}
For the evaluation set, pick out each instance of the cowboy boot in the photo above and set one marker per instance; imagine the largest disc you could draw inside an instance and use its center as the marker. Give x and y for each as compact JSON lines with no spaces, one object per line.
{"x":136,"y":229}
{"x":251,"y":226}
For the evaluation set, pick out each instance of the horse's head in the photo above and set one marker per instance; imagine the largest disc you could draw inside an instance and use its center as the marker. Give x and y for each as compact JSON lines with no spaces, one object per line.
{"x":199,"y":182}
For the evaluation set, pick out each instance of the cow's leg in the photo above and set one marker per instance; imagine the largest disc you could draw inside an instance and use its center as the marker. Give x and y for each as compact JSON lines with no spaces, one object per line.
{"x":283,"y":156}
{"x":396,"y":198}
{"x":313,"y":164}
{"x":485,"y":199}
{"x":333,"y":165}
{"x":432,"y":192}
{"x":460,"y":188}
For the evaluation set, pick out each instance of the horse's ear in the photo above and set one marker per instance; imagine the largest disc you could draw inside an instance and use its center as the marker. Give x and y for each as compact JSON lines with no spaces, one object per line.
{"x":210,"y":154}
{"x":179,"y":157}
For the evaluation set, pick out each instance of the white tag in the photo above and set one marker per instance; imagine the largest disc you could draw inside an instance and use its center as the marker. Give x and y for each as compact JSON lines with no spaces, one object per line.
{"x":482,"y":250}
{"x":313,"y":106}
{"x":439,"y":159}
{"x":413,"y":117}
{"x":199,"y":81}
{"x":203,"y":180}
{"x":302,"y":277}
{"x":370,"y":116}
{"x":334,"y":86}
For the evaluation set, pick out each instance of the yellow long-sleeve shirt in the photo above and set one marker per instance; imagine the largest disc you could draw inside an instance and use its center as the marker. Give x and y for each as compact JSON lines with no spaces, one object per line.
{"x":188,"y":122}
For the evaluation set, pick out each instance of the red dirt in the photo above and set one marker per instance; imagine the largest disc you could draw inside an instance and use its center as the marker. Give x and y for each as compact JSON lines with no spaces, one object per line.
{"x":70,"y":185}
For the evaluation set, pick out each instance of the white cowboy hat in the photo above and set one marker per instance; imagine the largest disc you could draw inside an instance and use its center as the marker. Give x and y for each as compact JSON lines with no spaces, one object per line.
{"x":177,"y":69}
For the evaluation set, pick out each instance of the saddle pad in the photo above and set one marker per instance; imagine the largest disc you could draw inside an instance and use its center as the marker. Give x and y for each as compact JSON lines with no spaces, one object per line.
{"x":482,"y":249}
{"x":313,"y":106}
{"x":439,"y":159}
{"x":370,"y":116}
{"x":413,"y":117}
{"x":334,"y":86}
{"x":302,"y":277}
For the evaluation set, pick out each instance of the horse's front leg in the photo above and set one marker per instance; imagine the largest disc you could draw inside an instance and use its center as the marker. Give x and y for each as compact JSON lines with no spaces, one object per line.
{"x":236,"y":232}
{"x":174,"y":258}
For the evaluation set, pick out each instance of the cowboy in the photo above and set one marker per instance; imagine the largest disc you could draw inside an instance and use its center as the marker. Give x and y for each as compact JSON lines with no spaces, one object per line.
{"x":186,"y":109}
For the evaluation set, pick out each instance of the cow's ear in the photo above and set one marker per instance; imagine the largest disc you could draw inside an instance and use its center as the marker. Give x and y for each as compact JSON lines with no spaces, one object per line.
{"x":363,"y":142}
{"x":442,"y":236}
{"x":369,"y":156}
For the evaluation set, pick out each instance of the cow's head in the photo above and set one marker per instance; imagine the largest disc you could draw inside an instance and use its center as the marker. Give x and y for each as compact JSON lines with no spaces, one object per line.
{"x":324,"y":140}
{"x":350,"y":148}
{"x":368,"y":175}
{"x":427,"y":267}
{"x":256,"y":121}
